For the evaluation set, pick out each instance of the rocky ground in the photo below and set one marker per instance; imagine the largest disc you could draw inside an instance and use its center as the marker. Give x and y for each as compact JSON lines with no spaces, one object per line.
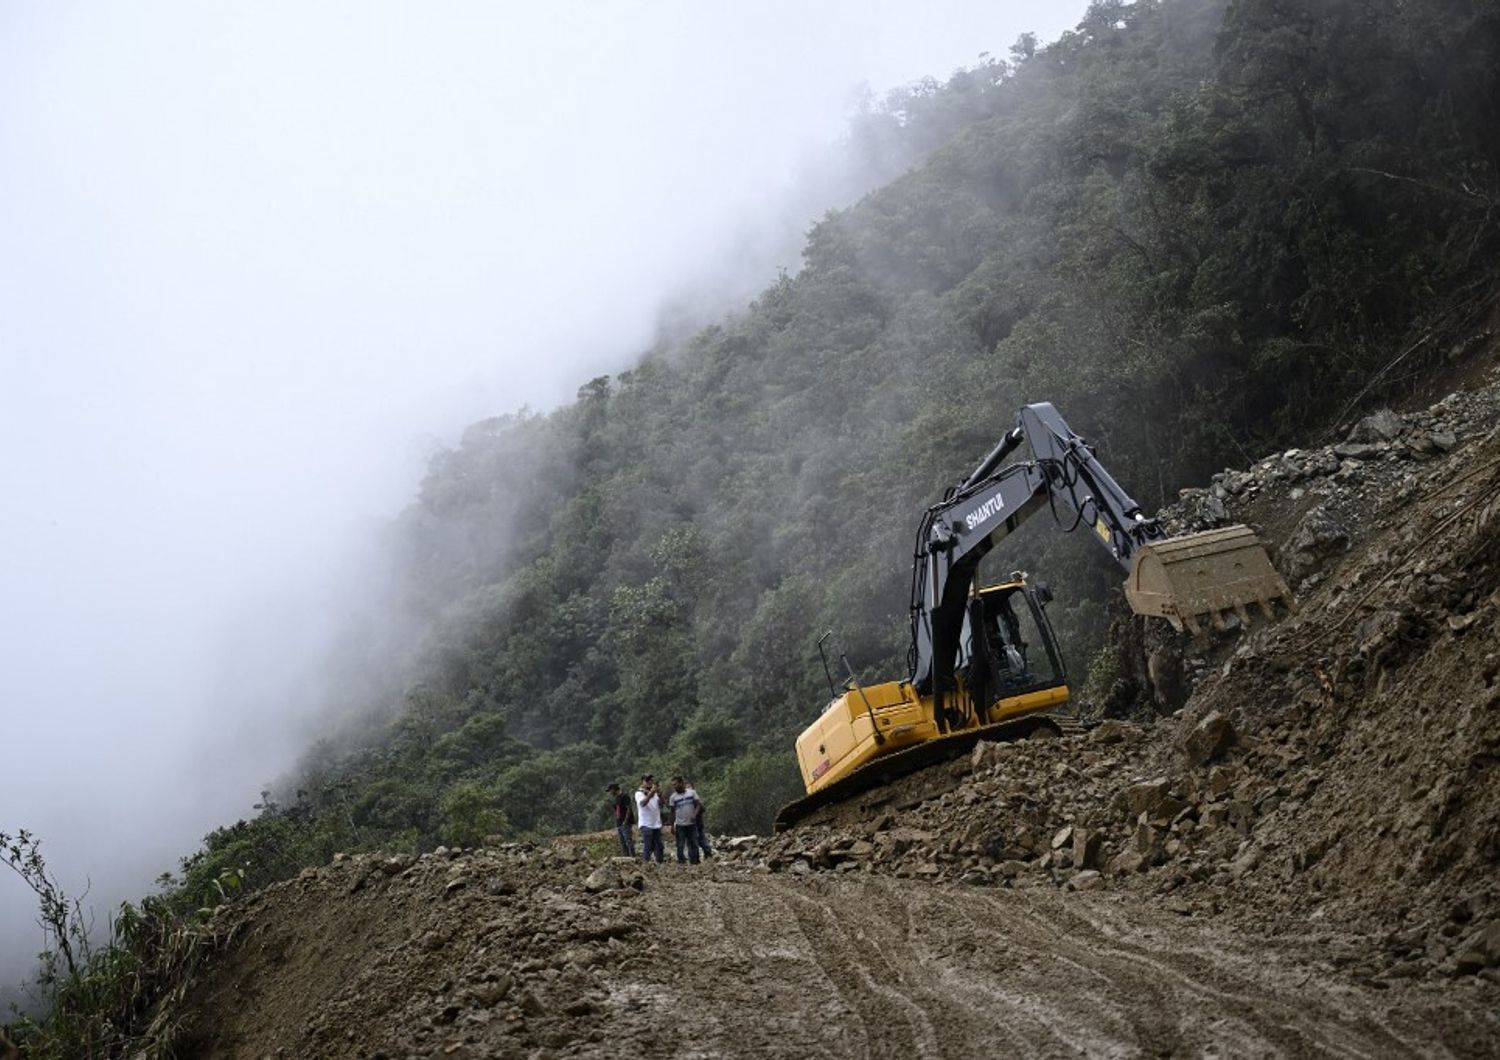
{"x":538,"y":951}
{"x":1299,"y":860}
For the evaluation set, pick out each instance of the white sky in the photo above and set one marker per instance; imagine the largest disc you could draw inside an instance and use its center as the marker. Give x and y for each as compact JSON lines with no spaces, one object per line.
{"x":255,"y":258}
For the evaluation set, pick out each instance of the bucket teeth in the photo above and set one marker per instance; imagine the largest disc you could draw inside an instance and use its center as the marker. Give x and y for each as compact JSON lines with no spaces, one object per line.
{"x":1219,"y":617}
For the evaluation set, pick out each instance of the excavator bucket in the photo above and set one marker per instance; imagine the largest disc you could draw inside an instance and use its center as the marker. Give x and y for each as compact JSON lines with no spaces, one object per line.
{"x":1202,"y":576}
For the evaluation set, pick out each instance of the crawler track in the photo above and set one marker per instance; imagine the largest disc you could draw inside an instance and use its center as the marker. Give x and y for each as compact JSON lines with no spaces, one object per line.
{"x":887,"y":768}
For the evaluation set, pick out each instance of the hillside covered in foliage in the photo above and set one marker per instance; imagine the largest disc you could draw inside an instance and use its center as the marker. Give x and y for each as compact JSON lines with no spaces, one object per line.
{"x":1200,"y":228}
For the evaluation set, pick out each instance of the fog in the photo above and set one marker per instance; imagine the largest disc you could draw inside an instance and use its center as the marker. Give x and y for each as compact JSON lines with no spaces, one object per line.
{"x":258,"y":261}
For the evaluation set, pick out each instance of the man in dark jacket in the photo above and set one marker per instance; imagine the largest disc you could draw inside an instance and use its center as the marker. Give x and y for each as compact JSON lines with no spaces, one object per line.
{"x":623,"y":828}
{"x":700,"y":826}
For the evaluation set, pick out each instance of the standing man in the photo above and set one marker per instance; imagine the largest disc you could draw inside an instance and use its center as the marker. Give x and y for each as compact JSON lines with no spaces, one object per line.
{"x":621,"y":807}
{"x":700,"y":827}
{"x":648,"y":812}
{"x":685,"y":807}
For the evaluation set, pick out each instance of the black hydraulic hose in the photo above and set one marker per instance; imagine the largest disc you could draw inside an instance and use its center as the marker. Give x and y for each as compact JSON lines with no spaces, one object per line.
{"x":1071,"y":484}
{"x":919,"y":587}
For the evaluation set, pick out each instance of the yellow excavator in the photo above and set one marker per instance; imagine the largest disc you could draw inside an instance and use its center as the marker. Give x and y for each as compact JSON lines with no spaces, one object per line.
{"x":984,"y":662}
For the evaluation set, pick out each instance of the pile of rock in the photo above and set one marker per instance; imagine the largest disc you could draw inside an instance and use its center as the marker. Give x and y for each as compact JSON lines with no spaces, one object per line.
{"x":511,"y":944}
{"x":1070,"y":811}
{"x":1311,"y":507}
{"x":1333,"y":490}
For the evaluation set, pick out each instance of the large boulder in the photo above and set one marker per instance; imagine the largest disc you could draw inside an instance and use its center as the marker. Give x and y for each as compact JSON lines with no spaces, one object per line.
{"x":1481,"y":949}
{"x":1142,"y":798}
{"x":1318,"y":537}
{"x":1383,"y":425}
{"x":1087,"y":846}
{"x":1209,"y":739}
{"x":1109,"y":732}
{"x":1169,"y":688}
{"x":604,"y":878}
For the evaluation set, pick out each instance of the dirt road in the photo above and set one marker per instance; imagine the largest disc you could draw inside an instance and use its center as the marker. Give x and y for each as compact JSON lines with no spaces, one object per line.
{"x":882,"y":967}
{"x":523,"y":952}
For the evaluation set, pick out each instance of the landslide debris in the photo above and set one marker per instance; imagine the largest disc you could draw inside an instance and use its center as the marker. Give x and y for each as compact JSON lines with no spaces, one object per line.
{"x":379,"y":956}
{"x":1333,"y":773}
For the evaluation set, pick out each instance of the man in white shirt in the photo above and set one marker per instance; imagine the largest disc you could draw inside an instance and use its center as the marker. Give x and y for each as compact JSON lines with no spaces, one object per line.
{"x":648,"y":812}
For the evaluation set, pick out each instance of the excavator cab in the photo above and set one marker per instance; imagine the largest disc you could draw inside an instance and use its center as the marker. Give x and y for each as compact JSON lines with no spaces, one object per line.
{"x":1006,"y":647}
{"x":1008,"y":660}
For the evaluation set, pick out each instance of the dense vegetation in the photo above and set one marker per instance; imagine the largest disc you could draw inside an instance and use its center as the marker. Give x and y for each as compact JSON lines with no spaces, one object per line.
{"x":1200,"y":227}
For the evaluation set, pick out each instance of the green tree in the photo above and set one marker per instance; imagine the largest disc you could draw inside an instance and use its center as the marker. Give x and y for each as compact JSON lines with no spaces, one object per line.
{"x":469,"y":813}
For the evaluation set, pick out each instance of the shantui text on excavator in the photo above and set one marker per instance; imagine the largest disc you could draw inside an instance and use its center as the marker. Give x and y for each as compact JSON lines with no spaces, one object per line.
{"x":984,"y":662}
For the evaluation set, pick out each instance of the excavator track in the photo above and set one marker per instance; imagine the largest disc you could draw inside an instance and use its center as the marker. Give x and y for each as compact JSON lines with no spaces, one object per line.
{"x":886,"y":768}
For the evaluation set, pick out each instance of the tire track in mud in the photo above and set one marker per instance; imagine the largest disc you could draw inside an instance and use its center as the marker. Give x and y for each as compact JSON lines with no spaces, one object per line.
{"x":1149,"y":1002}
{"x":1273,"y":1012}
{"x":984,"y":994}
{"x":1186,"y":987}
{"x":809,"y":980}
{"x":900,"y":968}
{"x":959,"y":956}
{"x":1052,"y":1002}
{"x":890,"y":1021}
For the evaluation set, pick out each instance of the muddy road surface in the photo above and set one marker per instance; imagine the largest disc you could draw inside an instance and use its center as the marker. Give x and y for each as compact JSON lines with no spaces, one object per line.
{"x":877,"y":967}
{"x":530,"y":953}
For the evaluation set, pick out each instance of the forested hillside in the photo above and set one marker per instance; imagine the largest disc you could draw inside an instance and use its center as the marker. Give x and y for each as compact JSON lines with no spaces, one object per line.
{"x":1201,"y":228}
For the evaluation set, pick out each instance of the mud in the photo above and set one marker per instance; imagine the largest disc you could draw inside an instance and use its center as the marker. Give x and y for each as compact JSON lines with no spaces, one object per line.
{"x":735,"y":961}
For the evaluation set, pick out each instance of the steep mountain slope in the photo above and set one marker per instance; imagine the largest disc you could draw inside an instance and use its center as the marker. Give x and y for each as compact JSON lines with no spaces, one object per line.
{"x":1302,"y":861}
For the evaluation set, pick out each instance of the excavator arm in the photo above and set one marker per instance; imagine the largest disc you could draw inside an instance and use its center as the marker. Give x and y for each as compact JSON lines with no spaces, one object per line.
{"x":1182,"y":579}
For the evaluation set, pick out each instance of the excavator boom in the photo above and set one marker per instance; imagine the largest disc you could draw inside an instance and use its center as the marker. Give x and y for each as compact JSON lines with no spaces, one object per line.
{"x":1186,"y":580}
